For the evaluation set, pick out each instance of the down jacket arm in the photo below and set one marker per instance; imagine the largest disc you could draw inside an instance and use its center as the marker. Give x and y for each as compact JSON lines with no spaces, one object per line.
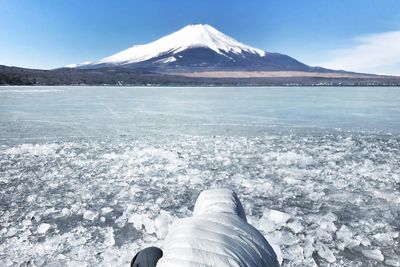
{"x":216,"y":235}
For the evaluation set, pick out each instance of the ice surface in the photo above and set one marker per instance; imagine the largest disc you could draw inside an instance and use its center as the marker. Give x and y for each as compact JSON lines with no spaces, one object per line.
{"x":334,"y":194}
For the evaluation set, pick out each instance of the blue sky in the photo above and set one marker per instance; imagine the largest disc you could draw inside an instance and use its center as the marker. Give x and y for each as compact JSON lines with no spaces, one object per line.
{"x":360,"y":35}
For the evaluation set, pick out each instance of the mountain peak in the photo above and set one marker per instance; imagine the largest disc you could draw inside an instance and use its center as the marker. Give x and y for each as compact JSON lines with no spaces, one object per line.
{"x":197,"y":48}
{"x":199,"y":27}
{"x":190,"y":36}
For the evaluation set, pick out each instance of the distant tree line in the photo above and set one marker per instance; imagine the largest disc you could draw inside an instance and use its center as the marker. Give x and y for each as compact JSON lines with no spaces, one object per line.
{"x":65,"y":76}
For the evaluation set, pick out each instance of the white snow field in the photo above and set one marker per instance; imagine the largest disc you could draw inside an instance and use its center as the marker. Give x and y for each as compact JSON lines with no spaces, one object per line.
{"x":89,"y":175}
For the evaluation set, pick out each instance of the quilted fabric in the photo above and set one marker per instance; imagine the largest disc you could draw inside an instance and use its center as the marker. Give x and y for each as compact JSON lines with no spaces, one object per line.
{"x":216,"y":235}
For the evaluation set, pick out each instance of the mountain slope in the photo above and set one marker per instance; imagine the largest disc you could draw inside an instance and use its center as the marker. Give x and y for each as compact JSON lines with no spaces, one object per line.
{"x":191,"y":36}
{"x":199,"y":47}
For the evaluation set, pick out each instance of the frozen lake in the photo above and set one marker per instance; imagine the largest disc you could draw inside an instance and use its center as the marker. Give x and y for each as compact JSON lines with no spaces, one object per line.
{"x":88,"y":175}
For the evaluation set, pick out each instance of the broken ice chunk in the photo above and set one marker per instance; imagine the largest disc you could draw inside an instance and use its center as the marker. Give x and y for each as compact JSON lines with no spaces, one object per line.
{"x":11,"y":231}
{"x":295,"y":226}
{"x":294,"y":253}
{"x":374,"y":254}
{"x":30,"y":215}
{"x":139,"y":220}
{"x":149,"y":225}
{"x":109,"y":237}
{"x":266,"y":225}
{"x":136,"y":220}
{"x":344,"y":232}
{"x":346,"y":235}
{"x":65,"y":212}
{"x":26,"y":222}
{"x":43,"y":228}
{"x":89,"y":215}
{"x":325,"y":252}
{"x":308,"y":246}
{"x":385,"y":238}
{"x":392,"y":262}
{"x":121,"y":220}
{"x":106,"y":210}
{"x":276,"y":216}
{"x":31,"y":198}
{"x":25,"y":235}
{"x":162,"y":223}
{"x":363,"y":240}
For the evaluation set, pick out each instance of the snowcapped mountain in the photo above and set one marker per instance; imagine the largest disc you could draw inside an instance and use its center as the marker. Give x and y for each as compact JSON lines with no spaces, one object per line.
{"x":197,"y":54}
{"x":191,"y":36}
{"x":197,"y":47}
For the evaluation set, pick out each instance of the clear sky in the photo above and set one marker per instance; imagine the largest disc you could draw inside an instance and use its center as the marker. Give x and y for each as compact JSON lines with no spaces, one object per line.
{"x":359,"y":35}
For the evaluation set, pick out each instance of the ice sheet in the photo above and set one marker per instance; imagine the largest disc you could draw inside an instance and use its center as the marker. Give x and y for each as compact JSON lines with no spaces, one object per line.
{"x":89,"y":175}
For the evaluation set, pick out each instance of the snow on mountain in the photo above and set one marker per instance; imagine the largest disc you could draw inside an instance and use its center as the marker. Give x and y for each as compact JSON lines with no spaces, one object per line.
{"x":194,"y":48}
{"x":191,"y":36}
{"x":79,"y":65}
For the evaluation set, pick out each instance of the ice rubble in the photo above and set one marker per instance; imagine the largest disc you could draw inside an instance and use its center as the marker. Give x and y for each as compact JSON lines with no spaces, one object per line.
{"x":97,"y":202}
